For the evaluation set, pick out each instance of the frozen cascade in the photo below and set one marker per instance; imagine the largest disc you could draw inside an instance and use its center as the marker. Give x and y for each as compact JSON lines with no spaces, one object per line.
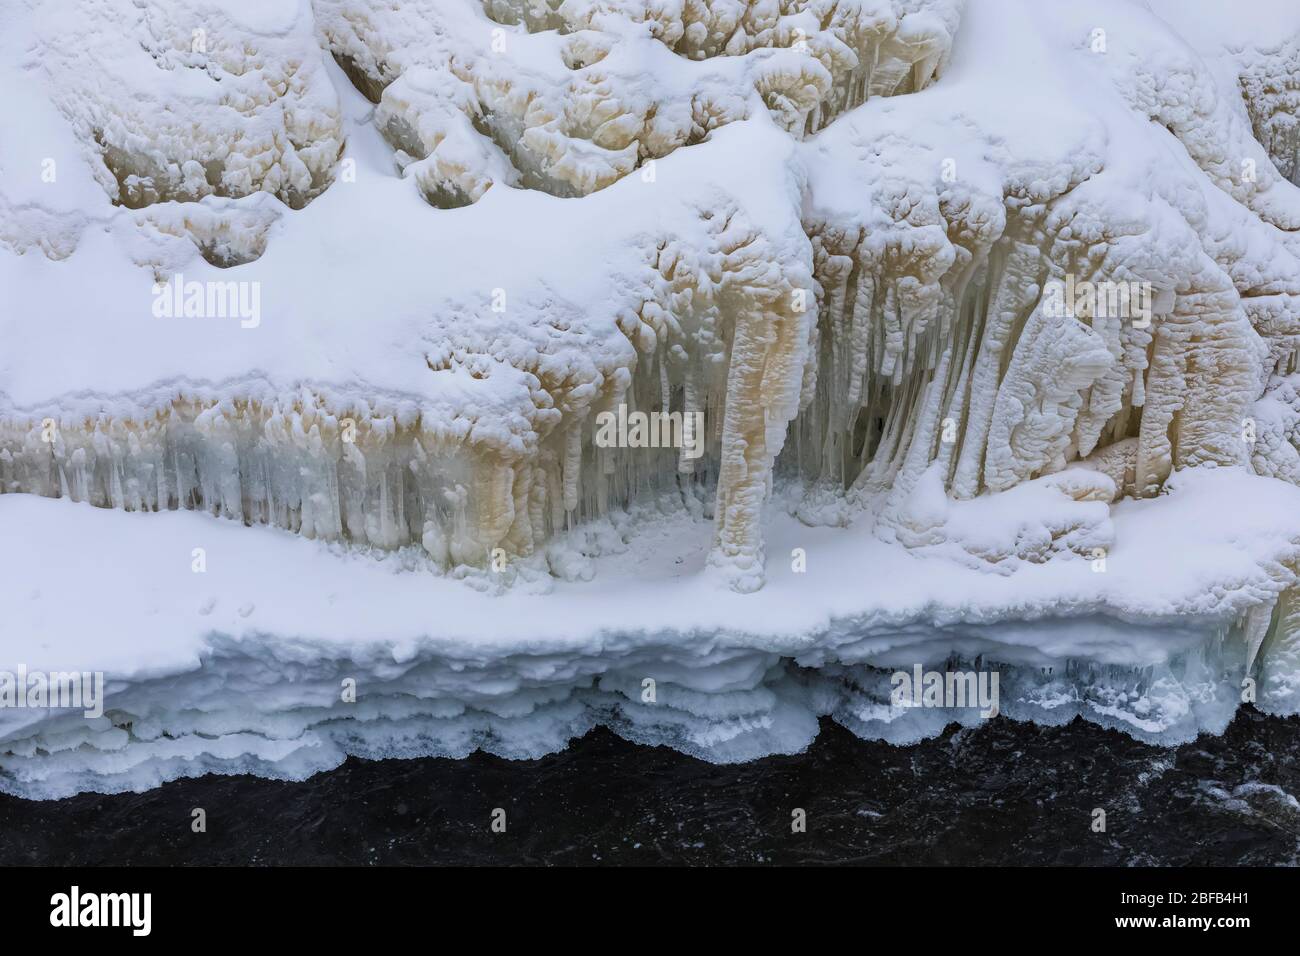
{"x":918,"y":274}
{"x":836,"y":229}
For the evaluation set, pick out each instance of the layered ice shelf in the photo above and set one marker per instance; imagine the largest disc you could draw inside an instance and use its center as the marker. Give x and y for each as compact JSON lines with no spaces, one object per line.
{"x":987,"y":313}
{"x":243,"y":668}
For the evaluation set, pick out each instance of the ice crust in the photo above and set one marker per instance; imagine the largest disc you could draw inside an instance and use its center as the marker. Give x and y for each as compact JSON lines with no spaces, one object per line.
{"x":476,"y":224}
{"x":240,"y":669}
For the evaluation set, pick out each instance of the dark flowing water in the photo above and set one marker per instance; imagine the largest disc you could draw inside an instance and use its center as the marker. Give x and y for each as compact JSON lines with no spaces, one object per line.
{"x":1003,"y":793}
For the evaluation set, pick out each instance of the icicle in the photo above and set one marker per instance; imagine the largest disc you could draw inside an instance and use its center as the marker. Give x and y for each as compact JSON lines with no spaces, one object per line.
{"x":572,"y":462}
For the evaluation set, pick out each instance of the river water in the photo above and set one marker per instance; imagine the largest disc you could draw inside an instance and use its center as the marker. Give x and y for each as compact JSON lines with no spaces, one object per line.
{"x":1001,"y":793}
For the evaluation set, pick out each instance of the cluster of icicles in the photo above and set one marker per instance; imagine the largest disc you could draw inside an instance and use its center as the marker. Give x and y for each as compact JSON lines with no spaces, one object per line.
{"x":925,"y":344}
{"x":874,"y":369}
{"x":723,"y":333}
{"x":727,"y":339}
{"x":971,"y":350}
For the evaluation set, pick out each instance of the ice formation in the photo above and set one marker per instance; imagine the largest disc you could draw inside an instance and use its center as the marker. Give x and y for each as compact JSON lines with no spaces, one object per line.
{"x":988,"y":292}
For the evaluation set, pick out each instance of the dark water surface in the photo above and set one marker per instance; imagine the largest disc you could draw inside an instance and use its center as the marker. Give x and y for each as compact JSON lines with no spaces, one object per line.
{"x":1004,"y":793}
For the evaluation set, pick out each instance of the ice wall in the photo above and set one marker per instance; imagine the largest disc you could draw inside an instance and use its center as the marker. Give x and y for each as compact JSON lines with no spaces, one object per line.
{"x":832,"y":228}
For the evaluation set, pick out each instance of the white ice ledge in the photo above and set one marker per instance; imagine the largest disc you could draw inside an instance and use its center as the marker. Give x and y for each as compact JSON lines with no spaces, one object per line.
{"x":239,"y":668}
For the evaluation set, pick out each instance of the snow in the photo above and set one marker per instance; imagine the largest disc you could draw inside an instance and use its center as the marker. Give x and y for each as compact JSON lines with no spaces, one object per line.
{"x":456,"y":231}
{"x":254,"y":649}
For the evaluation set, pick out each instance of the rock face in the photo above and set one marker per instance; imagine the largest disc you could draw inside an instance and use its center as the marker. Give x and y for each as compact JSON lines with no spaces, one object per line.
{"x":970,"y":276}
